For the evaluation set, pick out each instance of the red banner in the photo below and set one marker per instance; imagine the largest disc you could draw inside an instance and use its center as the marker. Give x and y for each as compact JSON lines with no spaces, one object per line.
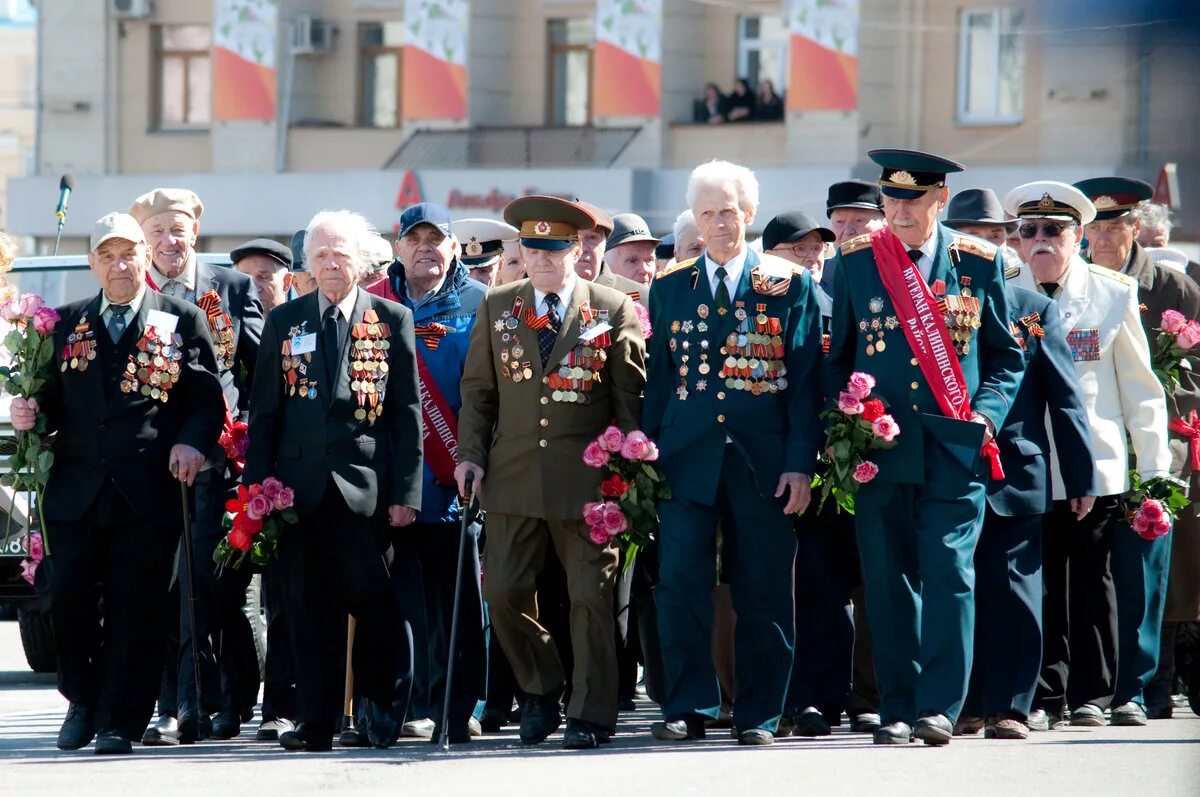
{"x":439,"y":428}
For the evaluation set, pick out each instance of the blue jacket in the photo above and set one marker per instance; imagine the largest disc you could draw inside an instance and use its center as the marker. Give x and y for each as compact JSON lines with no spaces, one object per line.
{"x":1050,"y":382}
{"x":453,"y":306}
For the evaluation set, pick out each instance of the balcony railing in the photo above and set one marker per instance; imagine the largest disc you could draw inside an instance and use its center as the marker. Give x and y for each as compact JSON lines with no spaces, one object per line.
{"x":513,"y":146}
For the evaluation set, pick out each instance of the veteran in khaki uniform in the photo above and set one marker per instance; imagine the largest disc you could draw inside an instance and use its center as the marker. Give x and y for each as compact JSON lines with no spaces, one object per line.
{"x":554,"y":359}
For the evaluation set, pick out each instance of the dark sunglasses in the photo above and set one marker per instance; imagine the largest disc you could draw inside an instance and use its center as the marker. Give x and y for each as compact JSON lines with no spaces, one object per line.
{"x":1052,"y":229}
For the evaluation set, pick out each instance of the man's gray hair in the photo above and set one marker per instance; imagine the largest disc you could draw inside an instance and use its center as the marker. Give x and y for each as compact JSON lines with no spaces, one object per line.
{"x":682,"y":222}
{"x":359,"y":232}
{"x":722,"y":173}
{"x":1153,"y":214}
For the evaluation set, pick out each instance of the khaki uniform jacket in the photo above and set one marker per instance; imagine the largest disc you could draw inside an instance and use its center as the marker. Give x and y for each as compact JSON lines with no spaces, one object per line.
{"x":529,"y":445}
{"x":634,"y":290}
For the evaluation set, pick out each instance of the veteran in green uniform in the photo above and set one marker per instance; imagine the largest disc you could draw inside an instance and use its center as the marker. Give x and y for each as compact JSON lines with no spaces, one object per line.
{"x":924,"y":311}
{"x":554,"y":359}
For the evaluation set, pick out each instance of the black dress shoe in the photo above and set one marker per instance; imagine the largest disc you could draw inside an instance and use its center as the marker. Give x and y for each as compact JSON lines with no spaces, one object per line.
{"x":678,"y":730}
{"x":934,"y":729}
{"x":580,"y":735}
{"x":540,"y":718}
{"x":226,"y":725}
{"x":811,"y":723}
{"x":493,"y":720}
{"x":306,"y":738}
{"x":455,"y":736}
{"x":112,"y":743}
{"x":755,"y":737}
{"x":188,"y":730}
{"x":162,"y":733}
{"x":76,"y":731}
{"x":627,"y":705}
{"x":382,"y":728}
{"x":865,"y":723}
{"x":893,"y":733}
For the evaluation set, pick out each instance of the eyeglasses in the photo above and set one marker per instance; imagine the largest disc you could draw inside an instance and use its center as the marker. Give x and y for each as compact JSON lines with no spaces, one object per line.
{"x":802,"y":249}
{"x":1052,"y":229}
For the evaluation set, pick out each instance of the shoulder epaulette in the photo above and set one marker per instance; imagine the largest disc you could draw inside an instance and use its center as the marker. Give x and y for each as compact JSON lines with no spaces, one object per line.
{"x":856,"y":243}
{"x":1011,"y":272}
{"x":679,"y":266}
{"x":1120,"y":277}
{"x":975,"y":246}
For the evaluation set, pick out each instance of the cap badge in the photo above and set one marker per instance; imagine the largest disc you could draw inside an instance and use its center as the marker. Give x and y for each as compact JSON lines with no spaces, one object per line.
{"x":542,"y":228}
{"x":903,"y":178}
{"x":1046,"y":202}
{"x":1104,"y":202}
{"x":474,"y":248}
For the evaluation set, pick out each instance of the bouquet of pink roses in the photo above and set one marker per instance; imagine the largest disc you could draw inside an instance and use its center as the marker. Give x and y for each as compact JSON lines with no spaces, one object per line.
{"x":1176,"y":338}
{"x":30,"y":344}
{"x":860,"y":424}
{"x":627,"y":511}
{"x":1152,"y":505}
{"x":255,"y":519}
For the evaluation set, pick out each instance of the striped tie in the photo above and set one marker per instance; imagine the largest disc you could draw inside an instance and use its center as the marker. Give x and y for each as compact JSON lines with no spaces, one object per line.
{"x":549,"y":333}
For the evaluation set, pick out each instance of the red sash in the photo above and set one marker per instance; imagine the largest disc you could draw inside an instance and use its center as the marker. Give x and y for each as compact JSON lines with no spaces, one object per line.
{"x":925,"y":329}
{"x":439,"y":428}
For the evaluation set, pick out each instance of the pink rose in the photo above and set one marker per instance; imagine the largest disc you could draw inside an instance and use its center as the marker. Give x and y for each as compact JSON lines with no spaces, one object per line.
{"x":865,"y":472}
{"x":635,"y":446}
{"x":1189,"y":336}
{"x":28,"y":568}
{"x":1173,"y":321}
{"x":1162,"y":528}
{"x":10,"y":311}
{"x":615,"y":521}
{"x":651,"y":452}
{"x":44,"y":320}
{"x":271,"y":487}
{"x":593,"y":513}
{"x":30,"y":304}
{"x":644,"y":319}
{"x":286,"y":499}
{"x":598,"y":535}
{"x":1140,"y":524}
{"x":849,"y":404}
{"x":594,"y":456}
{"x":885,"y":427}
{"x":612,"y":439}
{"x":1151,"y":510}
{"x":861,"y":384}
{"x":259,"y":507}
{"x":36,"y":548}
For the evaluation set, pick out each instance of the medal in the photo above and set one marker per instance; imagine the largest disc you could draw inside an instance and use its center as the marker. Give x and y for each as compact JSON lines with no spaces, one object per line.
{"x":876,"y":304}
{"x":702,"y":311}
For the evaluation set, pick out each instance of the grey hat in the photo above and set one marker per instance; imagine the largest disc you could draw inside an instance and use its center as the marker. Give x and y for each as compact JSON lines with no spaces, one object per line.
{"x":629,"y":228}
{"x":116,"y":225}
{"x":977,"y":206}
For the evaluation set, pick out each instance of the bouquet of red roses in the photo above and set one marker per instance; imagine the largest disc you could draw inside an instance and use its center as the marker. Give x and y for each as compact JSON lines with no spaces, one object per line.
{"x":1176,"y":338}
{"x":628,"y":511}
{"x":255,"y":521}
{"x":1152,"y":505}
{"x":235,"y":439}
{"x":860,"y":424}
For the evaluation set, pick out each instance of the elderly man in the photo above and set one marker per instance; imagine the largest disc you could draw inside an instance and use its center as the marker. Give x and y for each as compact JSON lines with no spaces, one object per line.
{"x":629,"y":250}
{"x":430,"y":279}
{"x":592,"y":263}
{"x":170,"y":218}
{"x":512,"y":267}
{"x":978,"y":212}
{"x":1100,"y":312}
{"x":482,"y":246}
{"x":269,"y":264}
{"x":688,"y":241}
{"x":1155,"y":219}
{"x":336,"y":416}
{"x":523,"y":429}
{"x":664,"y":253}
{"x":126,"y":429}
{"x":1140,"y":566}
{"x":924,"y":312}
{"x":737,"y":444}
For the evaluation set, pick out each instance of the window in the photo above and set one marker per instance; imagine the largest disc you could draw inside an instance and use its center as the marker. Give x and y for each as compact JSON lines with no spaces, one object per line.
{"x":380,"y":47}
{"x":762,"y":52}
{"x":184,"y":77}
{"x":991,"y":67}
{"x":569,"y":83}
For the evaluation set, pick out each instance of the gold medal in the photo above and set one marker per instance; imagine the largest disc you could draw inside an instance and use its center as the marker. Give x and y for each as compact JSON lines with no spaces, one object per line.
{"x":360,"y":414}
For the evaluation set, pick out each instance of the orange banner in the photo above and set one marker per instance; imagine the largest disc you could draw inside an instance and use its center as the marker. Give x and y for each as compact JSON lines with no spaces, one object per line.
{"x":626,"y":69}
{"x":823,"y":58}
{"x":243,"y":59}
{"x":434,"y":65}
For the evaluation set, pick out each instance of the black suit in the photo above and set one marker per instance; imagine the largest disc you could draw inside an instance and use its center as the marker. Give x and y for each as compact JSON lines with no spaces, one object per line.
{"x":346,"y":473}
{"x":113,"y":509}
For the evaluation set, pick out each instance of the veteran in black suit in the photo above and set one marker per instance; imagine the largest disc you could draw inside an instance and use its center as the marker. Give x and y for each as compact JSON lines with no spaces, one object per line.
{"x":336,"y":416}
{"x":134,"y":399}
{"x":1008,"y":559}
{"x":228,"y":301}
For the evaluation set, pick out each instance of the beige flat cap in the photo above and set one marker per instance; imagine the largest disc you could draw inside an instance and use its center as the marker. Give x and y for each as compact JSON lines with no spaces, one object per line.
{"x":161,"y":200}
{"x":116,"y":225}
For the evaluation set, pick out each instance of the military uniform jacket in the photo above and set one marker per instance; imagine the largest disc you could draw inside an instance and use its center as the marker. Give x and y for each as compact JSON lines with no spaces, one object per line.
{"x":106,"y":432}
{"x":302,"y":432}
{"x":1049,"y":391}
{"x":991,"y":365}
{"x":1102,"y":321}
{"x":529,"y":441}
{"x":634,"y":290}
{"x":769,"y":412}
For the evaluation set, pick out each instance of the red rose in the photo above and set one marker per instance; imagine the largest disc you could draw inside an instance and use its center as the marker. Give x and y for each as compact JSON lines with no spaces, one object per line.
{"x":613,"y":487}
{"x":246,"y":524}
{"x":872,"y":409}
{"x":240,"y":539}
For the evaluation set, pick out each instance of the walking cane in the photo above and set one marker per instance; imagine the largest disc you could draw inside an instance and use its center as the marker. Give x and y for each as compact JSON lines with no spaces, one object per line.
{"x":348,"y":694}
{"x":189,"y":574}
{"x":444,"y":742}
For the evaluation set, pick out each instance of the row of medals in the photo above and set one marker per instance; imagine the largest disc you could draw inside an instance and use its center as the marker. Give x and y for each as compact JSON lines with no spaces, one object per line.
{"x":156,"y":366}
{"x":754,"y":355}
{"x":81,"y":347}
{"x":369,"y":369}
{"x":962,"y":319}
{"x":578,"y":374}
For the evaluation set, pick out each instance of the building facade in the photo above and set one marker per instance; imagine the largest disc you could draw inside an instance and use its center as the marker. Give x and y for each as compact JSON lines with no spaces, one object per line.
{"x":1016,"y":89}
{"x":18,"y":93}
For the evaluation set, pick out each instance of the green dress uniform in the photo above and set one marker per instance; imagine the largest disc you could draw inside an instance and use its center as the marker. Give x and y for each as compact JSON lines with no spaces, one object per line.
{"x":732,"y":401}
{"x":919,"y":520}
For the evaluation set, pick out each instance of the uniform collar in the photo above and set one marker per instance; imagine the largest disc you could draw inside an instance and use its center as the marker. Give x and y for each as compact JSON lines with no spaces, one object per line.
{"x":733,"y":268}
{"x":564,"y":296}
{"x":187,"y":277}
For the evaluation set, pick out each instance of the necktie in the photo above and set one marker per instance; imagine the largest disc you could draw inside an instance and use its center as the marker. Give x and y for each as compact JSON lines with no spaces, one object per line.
{"x":549,"y":333}
{"x":116,"y":321}
{"x":722,"y":292}
{"x":914,"y":255}
{"x":1050,"y":288}
{"x":329,"y":345}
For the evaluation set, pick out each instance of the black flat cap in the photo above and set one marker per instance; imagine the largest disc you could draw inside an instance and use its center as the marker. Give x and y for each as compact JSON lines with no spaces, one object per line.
{"x":263,"y":246}
{"x":977,"y":206}
{"x":791,"y":227}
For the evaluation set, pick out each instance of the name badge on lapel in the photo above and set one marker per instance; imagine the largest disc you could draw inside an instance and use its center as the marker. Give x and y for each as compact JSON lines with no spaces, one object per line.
{"x":304,"y":344}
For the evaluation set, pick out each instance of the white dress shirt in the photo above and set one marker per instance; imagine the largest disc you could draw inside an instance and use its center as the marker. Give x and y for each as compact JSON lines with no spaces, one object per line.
{"x":564,"y":298}
{"x":733,"y":272}
{"x":925,"y":263}
{"x":135,"y":304}
{"x":182,"y":286}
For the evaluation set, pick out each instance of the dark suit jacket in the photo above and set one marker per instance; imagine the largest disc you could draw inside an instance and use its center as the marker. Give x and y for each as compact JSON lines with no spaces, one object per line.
{"x":1050,"y":383}
{"x":303,"y":441}
{"x":106,"y":434}
{"x":240,"y":300}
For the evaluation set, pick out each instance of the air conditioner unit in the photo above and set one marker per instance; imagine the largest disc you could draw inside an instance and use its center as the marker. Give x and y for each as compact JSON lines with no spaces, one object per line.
{"x":130,"y":9}
{"x":312,"y":35}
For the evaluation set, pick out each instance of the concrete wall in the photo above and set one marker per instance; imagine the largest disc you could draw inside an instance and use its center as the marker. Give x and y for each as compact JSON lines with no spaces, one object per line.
{"x":18,"y":67}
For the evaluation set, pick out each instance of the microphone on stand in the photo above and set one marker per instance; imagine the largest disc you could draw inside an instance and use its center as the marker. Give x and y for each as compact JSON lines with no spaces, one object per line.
{"x":64,"y":195}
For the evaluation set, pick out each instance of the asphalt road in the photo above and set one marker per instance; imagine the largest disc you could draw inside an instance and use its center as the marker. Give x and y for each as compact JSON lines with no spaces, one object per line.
{"x":1161,"y":759}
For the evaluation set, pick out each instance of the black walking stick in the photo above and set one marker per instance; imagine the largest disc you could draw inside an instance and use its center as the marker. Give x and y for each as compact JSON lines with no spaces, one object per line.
{"x":189,"y":574}
{"x":444,"y":742}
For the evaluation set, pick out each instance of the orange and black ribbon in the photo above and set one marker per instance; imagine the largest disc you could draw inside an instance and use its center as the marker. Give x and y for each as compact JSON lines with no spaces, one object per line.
{"x":431,"y":333}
